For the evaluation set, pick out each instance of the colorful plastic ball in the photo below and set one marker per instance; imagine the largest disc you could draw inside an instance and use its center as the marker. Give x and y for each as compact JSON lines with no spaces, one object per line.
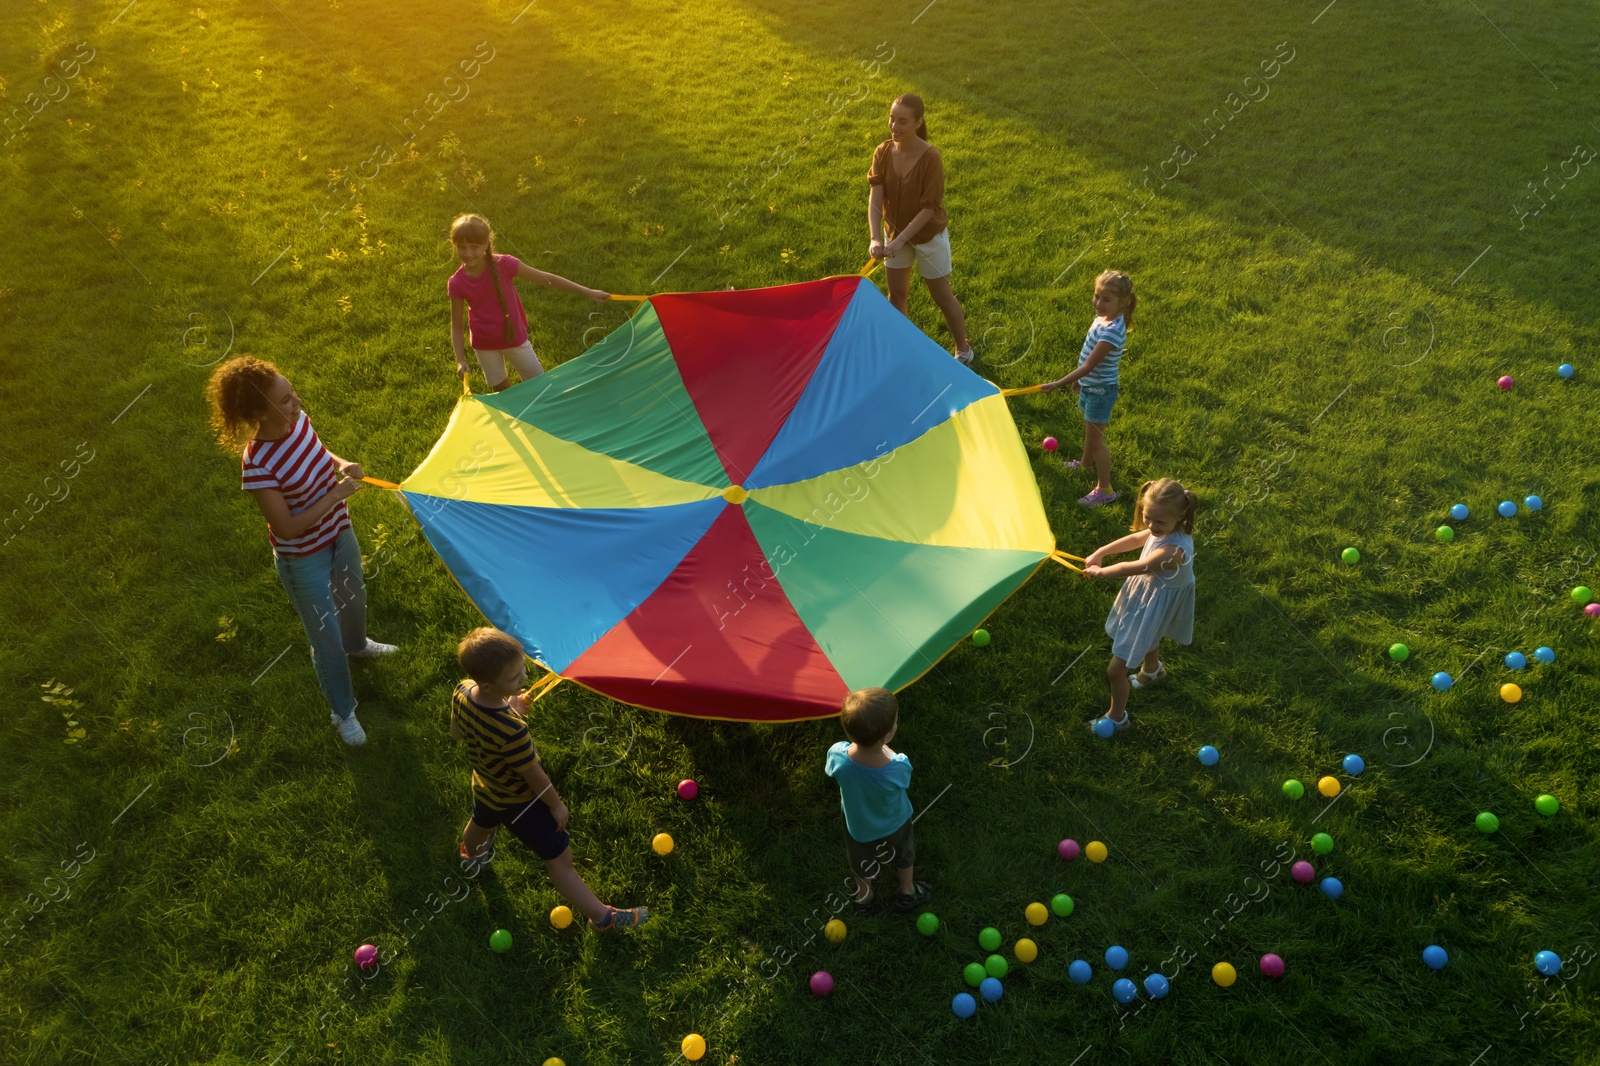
{"x":964,"y":1006}
{"x":980,"y":637}
{"x":1507,"y":509}
{"x":927,"y":923}
{"x":1036,"y":914}
{"x":1271,"y":966}
{"x":1592,"y":610}
{"x":989,"y":939}
{"x":991,"y":990}
{"x":1303,"y":872}
{"x":1332,"y":887}
{"x":1399,"y":652}
{"x":1293,"y":789}
{"x":661,"y":844}
{"x":687,"y":789}
{"x":1105,"y":728}
{"x":553,"y":1061}
{"x":1080,"y":971}
{"x":561,"y":916}
{"x":1354,"y":764}
{"x":1459,"y":512}
{"x":1208,"y":755}
{"x":1532,"y":503}
{"x":973,"y":973}
{"x":1068,"y":849}
{"x":996,"y":966}
{"x":1025,"y":950}
{"x":1062,"y":904}
{"x":1545,"y":655}
{"x":693,"y":1047}
{"x":1096,"y":851}
{"x":1224,"y":974}
{"x":1516,"y":660}
{"x":1486,"y":822}
{"x":500,"y":940}
{"x":1435,"y":956}
{"x":835,"y":931}
{"x":1547,"y":805}
{"x":1328,"y":786}
{"x":1547,"y":963}
{"x":367,"y":956}
{"x":1506,"y":381}
{"x":1124,"y":991}
{"x":1443,"y":681}
{"x":1116,"y":957}
{"x":1565,"y":370}
{"x":1157,"y":985}
{"x":1050,"y":444}
{"x":1445,"y":534}
{"x":1321,"y":843}
{"x":1350,"y":555}
{"x":1510,"y":693}
{"x":821,"y":983}
{"x":1582,"y":595}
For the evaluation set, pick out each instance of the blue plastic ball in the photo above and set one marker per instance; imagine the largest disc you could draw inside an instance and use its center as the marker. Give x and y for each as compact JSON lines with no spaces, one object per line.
{"x":1507,"y":509}
{"x":990,"y":990}
{"x":1354,"y":764}
{"x":1547,"y":963}
{"x":1435,"y":956}
{"x":1565,"y":370}
{"x":1209,"y":756}
{"x":1080,"y":971}
{"x":1459,"y":512}
{"x":1116,"y":957}
{"x":1545,"y":655}
{"x":1124,"y":990}
{"x":1156,"y":985}
{"x":964,"y":1005}
{"x":1104,"y":728}
{"x":1516,"y":660}
{"x":1443,"y":681}
{"x":1332,"y":887}
{"x":1533,"y":503}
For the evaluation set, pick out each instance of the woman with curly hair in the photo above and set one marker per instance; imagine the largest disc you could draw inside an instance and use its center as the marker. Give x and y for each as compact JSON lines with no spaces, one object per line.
{"x":301,"y":487}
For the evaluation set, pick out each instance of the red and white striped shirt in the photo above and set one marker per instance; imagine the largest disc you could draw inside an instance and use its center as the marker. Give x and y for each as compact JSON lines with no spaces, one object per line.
{"x":298,"y":466}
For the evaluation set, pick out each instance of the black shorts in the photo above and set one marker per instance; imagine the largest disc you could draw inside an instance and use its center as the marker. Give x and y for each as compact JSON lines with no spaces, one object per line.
{"x":529,"y":822}
{"x":867,"y":860}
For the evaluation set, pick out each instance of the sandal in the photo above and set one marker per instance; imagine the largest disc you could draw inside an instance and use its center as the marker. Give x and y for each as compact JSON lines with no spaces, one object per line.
{"x":921,"y":895}
{"x":617,"y":918}
{"x":1072,"y":464}
{"x":1096,"y":497}
{"x":1144,"y":680}
{"x":866,"y":906}
{"x":1116,"y":726}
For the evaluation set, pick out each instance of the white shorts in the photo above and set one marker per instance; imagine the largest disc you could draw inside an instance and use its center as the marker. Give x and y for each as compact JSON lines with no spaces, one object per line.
{"x":522,"y":357}
{"x":932,"y":257}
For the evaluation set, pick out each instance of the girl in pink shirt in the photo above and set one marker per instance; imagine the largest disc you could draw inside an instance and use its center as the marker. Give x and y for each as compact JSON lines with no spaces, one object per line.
{"x":487,"y":301}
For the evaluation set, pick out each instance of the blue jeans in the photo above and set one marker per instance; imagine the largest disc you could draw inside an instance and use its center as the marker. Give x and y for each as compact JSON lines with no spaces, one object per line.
{"x":330,"y":596}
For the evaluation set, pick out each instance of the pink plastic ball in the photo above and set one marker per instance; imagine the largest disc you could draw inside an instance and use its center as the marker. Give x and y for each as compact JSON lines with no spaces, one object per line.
{"x":1051,"y":444}
{"x":821,"y":983}
{"x":367,"y":956}
{"x":1272,"y":966}
{"x":1506,"y":382}
{"x":687,"y":789}
{"x":1593,"y":610}
{"x":1303,"y":872}
{"x":1068,"y":849}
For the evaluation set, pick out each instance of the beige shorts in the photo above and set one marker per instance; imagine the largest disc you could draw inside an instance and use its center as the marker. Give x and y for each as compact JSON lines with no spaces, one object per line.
{"x":522,"y":357}
{"x":932,"y":257}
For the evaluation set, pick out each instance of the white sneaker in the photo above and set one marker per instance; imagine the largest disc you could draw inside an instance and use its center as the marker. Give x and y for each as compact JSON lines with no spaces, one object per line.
{"x":374,"y":649}
{"x":350,"y":730}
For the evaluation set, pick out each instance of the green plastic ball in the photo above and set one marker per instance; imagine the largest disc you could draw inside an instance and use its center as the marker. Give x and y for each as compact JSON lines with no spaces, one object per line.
{"x":989,"y":939}
{"x":1486,"y":822}
{"x":996,"y":966}
{"x":1445,"y":534}
{"x":980,"y":637}
{"x":1293,"y":789}
{"x":1399,"y":652}
{"x":1350,"y":555}
{"x":974,"y":973}
{"x":500,"y":940}
{"x":1061,"y":904}
{"x":1581,"y":595}
{"x":1547,"y":805}
{"x":1322,"y":843}
{"x":927,"y":923}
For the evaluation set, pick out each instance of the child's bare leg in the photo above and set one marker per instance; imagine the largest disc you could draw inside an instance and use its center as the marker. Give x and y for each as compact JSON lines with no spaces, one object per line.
{"x":1094,"y":445}
{"x":863,"y":889}
{"x":475,"y":837}
{"x":954,"y":317}
{"x":1117,"y":674}
{"x":1152,"y":660}
{"x":570,"y":884}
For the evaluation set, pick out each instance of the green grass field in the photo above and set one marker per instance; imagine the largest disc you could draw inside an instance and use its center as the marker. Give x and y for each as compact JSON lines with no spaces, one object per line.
{"x":1344,"y":223}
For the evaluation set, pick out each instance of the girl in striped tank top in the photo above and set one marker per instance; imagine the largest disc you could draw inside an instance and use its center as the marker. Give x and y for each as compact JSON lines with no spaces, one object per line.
{"x":1095,"y":379}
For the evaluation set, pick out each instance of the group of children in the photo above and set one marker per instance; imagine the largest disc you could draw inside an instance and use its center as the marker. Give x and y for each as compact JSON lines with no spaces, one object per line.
{"x":300,"y":488}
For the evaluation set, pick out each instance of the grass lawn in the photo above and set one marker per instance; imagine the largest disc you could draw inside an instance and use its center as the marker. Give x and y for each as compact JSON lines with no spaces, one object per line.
{"x":1344,"y":223}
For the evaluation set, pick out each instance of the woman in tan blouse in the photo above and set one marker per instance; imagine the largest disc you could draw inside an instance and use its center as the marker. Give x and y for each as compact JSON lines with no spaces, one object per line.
{"x":907,"y":203}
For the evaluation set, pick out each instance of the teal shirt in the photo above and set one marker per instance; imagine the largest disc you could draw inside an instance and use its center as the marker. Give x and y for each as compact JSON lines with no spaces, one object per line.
{"x":873,"y":797}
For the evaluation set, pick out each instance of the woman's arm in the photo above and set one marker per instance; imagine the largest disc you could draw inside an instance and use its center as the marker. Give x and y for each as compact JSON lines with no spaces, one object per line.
{"x":286,"y":526}
{"x":875,"y":221}
{"x":556,"y":281}
{"x":346,"y":467}
{"x":911,"y":229}
{"x":1096,"y":357}
{"x":458,"y":332}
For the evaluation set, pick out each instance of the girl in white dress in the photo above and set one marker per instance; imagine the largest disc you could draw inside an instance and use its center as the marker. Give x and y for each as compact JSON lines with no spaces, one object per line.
{"x":1157,"y":600}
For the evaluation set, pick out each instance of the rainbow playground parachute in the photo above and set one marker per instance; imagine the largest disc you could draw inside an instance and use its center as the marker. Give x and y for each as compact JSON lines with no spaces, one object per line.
{"x":739,"y":505}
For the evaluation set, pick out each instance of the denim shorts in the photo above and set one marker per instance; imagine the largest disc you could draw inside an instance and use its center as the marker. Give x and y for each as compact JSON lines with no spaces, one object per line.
{"x":1096,"y":401}
{"x":529,"y":822}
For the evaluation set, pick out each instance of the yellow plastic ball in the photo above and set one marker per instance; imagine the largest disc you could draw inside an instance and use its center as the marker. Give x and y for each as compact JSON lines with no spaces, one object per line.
{"x":1510,"y":693}
{"x":1036,"y":914}
{"x":553,"y":1061}
{"x":835,"y":931}
{"x":1224,"y":974}
{"x":1096,"y":851}
{"x":694,"y":1046}
{"x":1025,"y":949}
{"x":1328,"y":786}
{"x":561,"y":917}
{"x":662,"y":844}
